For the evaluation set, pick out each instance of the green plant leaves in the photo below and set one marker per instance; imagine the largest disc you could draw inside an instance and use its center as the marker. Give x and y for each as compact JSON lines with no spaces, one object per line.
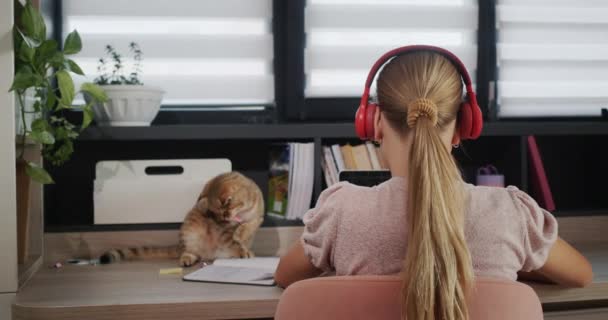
{"x":33,"y":23}
{"x":29,"y":41}
{"x":87,"y":116}
{"x":39,"y":124}
{"x":95,"y":91}
{"x":66,"y":88}
{"x":25,"y":78}
{"x":47,"y":50}
{"x":42,"y":136}
{"x":38,"y":173}
{"x":25,"y":52}
{"x":72,"y":44}
{"x":74,"y":67}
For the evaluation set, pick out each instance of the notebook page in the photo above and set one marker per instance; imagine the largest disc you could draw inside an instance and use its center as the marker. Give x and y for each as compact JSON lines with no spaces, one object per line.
{"x":229,"y":274}
{"x":268,"y":264}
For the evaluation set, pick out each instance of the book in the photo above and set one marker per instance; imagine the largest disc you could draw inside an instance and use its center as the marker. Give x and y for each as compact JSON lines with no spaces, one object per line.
{"x":326,"y":174}
{"x":278,"y":181}
{"x":371,"y":151}
{"x":291,"y":190}
{"x":306,"y":178}
{"x":362,"y":161}
{"x":541,"y":190}
{"x":337,"y":153}
{"x":347,"y":155}
{"x":294,"y":175}
{"x":330,"y":164}
{"x":253,"y":271}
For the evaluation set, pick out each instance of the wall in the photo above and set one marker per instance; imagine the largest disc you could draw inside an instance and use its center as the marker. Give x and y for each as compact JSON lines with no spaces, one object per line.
{"x":8,"y":237}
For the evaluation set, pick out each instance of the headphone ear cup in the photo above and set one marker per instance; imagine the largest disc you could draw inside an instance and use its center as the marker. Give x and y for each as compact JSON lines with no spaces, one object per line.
{"x":477,"y":121}
{"x":465,"y":120}
{"x":360,"y":121}
{"x":370,"y":128}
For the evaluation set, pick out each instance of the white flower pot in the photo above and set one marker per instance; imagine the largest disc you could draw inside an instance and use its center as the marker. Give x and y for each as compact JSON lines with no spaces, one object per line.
{"x":128,"y":105}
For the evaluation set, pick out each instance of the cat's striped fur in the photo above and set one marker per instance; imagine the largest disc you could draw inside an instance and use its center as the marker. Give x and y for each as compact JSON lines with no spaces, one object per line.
{"x":221,"y":224}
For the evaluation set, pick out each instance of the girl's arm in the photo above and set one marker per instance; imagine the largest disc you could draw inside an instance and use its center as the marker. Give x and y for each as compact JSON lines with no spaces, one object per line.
{"x":295,"y":266}
{"x":564,"y":266}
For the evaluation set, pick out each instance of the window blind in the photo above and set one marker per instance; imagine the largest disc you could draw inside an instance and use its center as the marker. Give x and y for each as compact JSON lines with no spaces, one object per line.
{"x":345,"y":37}
{"x":552,"y":57}
{"x":204,"y":53}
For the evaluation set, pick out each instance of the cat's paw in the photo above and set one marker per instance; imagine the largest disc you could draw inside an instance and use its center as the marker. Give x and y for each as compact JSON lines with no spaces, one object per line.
{"x":246,"y":253}
{"x":187,"y":259}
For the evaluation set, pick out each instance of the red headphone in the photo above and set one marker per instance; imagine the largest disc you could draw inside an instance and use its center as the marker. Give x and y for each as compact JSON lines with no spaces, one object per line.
{"x":469,"y":116}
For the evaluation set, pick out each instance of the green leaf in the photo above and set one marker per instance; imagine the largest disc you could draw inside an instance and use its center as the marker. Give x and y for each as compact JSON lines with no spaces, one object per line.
{"x":73,"y":44}
{"x":33,"y":23}
{"x":36,"y":106}
{"x":29,"y":41}
{"x":25,"y":52}
{"x":95,"y":91}
{"x":51,"y":101}
{"x":25,"y":78}
{"x":73,"y":66}
{"x":39,"y":124}
{"x":47,"y":50}
{"x":66,"y":88}
{"x":57,"y":60}
{"x":87,"y":116}
{"x":38,"y":173}
{"x":43,"y":137}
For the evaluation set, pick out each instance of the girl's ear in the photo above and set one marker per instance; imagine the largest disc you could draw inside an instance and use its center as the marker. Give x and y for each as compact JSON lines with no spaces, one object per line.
{"x":378,"y":133}
{"x":456,"y":136}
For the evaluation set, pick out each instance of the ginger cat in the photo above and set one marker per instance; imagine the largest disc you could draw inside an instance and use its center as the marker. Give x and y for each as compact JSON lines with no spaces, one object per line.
{"x":222,"y":223}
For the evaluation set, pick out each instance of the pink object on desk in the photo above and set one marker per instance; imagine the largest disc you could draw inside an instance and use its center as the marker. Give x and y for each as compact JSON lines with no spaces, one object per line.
{"x":539,"y":183}
{"x":488,"y":176}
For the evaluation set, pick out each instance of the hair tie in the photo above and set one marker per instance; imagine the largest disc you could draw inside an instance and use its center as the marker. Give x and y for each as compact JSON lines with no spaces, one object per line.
{"x":421,"y":108}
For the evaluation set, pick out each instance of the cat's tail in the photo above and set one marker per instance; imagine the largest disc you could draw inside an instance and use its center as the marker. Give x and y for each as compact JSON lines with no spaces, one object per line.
{"x":139,"y":253}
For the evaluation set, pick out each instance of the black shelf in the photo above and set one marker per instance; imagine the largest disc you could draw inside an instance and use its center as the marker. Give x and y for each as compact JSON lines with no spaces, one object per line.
{"x":318,"y":130}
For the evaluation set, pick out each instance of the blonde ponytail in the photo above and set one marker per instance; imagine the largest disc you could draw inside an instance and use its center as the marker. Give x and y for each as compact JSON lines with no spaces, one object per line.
{"x":437,"y":269}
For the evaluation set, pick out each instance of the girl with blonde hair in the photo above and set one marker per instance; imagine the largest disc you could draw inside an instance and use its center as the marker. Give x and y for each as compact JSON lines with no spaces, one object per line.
{"x":426,"y":223}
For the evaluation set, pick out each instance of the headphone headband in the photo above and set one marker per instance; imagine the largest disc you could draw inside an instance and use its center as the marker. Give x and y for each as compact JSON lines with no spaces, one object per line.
{"x":413,"y":48}
{"x":470,"y":116}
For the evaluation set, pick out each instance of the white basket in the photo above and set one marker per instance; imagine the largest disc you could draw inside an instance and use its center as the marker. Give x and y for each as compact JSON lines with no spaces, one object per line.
{"x":128,"y":105}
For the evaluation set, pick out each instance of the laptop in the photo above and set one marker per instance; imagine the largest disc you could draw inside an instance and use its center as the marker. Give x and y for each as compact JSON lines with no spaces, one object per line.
{"x":365,"y":178}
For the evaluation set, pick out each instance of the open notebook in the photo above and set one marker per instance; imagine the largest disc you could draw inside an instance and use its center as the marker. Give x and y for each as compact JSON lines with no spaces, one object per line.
{"x":254,"y":271}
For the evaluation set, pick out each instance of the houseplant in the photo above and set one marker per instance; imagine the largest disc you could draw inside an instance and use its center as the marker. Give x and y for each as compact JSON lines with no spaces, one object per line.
{"x":42,"y":77}
{"x":44,"y":91}
{"x":130,"y":102}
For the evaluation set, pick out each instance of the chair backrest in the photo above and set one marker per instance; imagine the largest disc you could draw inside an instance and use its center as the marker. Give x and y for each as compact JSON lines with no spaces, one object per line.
{"x":378,"y":297}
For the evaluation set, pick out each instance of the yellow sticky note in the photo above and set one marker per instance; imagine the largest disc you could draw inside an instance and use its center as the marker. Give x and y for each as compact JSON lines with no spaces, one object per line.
{"x":171,"y":271}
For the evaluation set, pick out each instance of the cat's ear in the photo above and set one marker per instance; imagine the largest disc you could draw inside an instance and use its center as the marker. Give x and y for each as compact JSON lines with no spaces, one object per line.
{"x":227,"y":201}
{"x":202,"y":204}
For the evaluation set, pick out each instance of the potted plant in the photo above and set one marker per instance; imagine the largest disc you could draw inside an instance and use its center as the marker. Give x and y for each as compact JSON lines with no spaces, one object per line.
{"x":130,"y":102}
{"x":44,"y":91}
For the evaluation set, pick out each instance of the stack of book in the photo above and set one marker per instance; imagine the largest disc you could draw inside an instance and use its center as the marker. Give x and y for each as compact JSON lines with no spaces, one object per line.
{"x":336,"y":158}
{"x":291,"y":180}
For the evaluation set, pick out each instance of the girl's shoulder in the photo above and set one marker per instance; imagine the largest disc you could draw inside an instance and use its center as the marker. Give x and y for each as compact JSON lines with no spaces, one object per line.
{"x":497,"y":197}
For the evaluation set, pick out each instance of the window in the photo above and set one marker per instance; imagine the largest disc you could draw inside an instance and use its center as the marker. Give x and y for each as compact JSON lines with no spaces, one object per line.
{"x":552,"y":57}
{"x":202,"y":53}
{"x":345,"y":37}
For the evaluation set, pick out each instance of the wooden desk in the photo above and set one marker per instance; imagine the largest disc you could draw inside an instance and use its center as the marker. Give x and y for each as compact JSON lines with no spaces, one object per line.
{"x":594,"y":296}
{"x":135,"y":290}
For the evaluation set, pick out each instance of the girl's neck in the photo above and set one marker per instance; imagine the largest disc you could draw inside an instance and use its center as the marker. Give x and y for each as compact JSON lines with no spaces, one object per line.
{"x":397,"y":154}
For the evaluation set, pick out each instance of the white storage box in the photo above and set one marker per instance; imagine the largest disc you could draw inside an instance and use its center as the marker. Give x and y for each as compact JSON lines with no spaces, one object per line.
{"x":151,"y":191}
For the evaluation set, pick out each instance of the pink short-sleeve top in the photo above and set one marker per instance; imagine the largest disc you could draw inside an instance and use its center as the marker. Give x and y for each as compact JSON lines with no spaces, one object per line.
{"x":357,"y":230}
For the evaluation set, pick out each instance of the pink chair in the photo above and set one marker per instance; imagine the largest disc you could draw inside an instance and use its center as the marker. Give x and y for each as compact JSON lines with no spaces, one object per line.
{"x":377,"y":297}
